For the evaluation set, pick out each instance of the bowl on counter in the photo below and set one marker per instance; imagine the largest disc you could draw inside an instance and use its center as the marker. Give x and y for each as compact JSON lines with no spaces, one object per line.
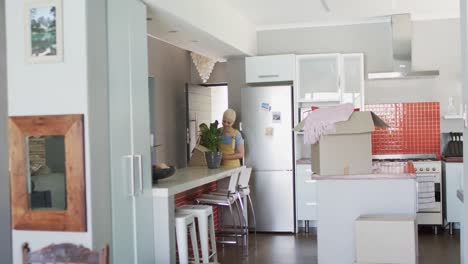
{"x":159,"y":173}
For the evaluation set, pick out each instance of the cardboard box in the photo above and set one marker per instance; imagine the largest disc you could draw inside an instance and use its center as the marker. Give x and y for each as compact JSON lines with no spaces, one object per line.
{"x":386,"y":239}
{"x":348,"y":150}
{"x":198,"y":156}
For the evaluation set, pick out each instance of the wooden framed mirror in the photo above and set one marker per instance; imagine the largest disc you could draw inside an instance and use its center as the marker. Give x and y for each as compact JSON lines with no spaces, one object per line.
{"x":47,"y":173}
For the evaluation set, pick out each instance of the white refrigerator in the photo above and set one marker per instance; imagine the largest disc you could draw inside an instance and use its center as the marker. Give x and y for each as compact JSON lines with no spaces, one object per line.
{"x":267,"y":122}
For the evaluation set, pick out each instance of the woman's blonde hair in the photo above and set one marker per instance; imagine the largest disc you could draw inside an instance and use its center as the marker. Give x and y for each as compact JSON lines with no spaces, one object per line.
{"x":229,"y":115}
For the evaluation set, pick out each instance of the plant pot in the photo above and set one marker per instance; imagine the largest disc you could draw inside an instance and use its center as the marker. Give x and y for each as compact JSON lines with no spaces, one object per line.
{"x":213,"y":159}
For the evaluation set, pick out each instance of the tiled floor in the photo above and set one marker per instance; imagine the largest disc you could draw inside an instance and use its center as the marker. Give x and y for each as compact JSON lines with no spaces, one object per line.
{"x":302,"y":248}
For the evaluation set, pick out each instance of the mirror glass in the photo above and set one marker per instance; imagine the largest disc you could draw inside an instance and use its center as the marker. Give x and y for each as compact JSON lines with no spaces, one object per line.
{"x":46,"y":172}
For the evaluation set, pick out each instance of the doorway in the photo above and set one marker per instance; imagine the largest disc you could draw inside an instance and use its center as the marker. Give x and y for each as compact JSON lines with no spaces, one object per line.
{"x":204,"y":104}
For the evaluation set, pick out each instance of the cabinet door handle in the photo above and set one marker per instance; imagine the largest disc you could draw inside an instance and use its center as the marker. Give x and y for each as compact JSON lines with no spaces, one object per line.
{"x":140,"y":173}
{"x":309,"y":204}
{"x":269,"y":76}
{"x":132,"y":174}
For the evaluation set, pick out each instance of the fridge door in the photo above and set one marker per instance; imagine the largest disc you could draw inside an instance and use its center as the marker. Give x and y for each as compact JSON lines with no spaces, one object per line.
{"x":267,"y":127}
{"x":273,"y":200}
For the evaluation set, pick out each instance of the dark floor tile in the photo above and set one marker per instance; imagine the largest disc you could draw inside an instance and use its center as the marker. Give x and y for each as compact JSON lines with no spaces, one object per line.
{"x":302,"y":249}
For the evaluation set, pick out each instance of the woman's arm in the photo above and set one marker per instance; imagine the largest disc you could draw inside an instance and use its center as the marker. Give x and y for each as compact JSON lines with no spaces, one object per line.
{"x":239,"y":154}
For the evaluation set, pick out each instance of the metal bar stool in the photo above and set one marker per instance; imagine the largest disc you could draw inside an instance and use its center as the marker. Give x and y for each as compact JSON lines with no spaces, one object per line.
{"x":182,"y":222}
{"x":243,"y":189}
{"x":226,"y":201}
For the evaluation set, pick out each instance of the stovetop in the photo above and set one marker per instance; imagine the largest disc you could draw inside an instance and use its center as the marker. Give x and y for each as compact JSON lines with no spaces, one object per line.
{"x":422,"y":163}
{"x":405,"y":157}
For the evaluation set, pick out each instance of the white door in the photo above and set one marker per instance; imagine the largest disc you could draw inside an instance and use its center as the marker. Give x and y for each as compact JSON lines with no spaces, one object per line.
{"x":204,"y":104}
{"x":141,"y":145}
{"x":131,"y":183}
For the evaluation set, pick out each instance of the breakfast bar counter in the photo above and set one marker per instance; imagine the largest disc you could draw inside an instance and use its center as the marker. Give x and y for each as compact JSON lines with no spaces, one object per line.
{"x":189,"y":178}
{"x":164,"y":206}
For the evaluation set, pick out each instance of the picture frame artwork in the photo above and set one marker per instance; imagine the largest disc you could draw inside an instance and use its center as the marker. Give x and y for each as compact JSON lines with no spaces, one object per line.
{"x":44,"y":31}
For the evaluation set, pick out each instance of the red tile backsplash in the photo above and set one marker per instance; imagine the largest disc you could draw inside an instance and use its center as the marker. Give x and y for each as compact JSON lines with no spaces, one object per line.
{"x":414,"y":128}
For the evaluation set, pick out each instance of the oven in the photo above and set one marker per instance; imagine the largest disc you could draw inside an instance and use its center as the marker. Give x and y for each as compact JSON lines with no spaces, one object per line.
{"x":425,"y":165}
{"x":433,"y":215}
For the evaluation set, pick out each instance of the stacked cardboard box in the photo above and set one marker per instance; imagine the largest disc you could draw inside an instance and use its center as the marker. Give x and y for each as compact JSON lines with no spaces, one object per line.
{"x":348,"y":150}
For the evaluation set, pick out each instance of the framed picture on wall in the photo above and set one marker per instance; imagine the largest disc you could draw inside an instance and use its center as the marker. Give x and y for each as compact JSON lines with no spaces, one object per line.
{"x":43,"y":31}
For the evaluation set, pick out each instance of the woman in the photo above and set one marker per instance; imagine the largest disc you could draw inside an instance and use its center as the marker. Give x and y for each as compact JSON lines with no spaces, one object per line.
{"x":232,"y":143}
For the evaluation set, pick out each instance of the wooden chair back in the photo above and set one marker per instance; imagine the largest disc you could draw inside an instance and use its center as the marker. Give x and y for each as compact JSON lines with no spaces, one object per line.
{"x":65,"y":253}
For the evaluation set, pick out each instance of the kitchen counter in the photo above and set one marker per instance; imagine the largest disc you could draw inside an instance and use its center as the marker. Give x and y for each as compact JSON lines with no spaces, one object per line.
{"x":454,"y":159}
{"x":189,"y":178}
{"x":403,"y":176}
{"x":164,"y":205}
{"x":380,"y":171}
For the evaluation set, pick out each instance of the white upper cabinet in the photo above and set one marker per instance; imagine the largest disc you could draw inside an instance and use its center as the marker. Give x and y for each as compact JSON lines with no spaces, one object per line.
{"x":336,"y":78}
{"x":353,"y":79}
{"x":274,"y":68}
{"x":318,"y":77}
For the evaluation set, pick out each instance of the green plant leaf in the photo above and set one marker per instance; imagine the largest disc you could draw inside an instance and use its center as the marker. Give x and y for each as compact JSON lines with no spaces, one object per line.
{"x":210,"y":137}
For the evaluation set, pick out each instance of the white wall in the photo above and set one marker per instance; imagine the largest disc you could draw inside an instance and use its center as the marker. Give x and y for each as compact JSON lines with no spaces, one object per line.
{"x":48,"y":89}
{"x":372,"y":39}
{"x":236,"y":81}
{"x":5,"y":225}
{"x":436,"y":45}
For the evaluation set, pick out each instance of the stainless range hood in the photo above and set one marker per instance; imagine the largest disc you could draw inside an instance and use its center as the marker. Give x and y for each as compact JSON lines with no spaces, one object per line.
{"x":402,"y":31}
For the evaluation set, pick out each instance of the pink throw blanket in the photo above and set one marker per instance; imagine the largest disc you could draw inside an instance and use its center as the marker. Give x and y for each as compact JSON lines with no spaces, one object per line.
{"x":322,"y":121}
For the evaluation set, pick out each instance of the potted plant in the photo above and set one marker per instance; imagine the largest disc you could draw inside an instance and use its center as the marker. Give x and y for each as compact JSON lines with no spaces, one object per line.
{"x":210,"y":137}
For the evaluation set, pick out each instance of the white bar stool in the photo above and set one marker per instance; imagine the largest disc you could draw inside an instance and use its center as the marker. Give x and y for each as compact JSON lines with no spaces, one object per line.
{"x":204,"y":216}
{"x":182,"y":222}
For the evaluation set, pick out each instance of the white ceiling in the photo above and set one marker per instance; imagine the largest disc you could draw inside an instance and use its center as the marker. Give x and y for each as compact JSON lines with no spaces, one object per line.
{"x":170,"y":29}
{"x":222,"y":16}
{"x":271,"y":14}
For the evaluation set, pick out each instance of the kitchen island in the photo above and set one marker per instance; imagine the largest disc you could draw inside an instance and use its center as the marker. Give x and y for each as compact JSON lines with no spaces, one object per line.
{"x":163,"y":204}
{"x":461,"y":197}
{"x":342,"y":199}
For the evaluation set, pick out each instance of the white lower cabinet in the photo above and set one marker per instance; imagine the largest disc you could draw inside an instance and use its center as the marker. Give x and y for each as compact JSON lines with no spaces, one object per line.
{"x":453,"y":182}
{"x":306,"y":195}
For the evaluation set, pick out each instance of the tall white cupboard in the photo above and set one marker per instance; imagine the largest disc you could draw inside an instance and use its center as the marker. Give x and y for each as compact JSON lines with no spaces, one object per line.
{"x":131,"y":184}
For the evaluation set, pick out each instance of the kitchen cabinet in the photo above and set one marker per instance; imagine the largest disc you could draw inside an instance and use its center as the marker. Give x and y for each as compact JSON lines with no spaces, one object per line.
{"x":453,"y":182}
{"x":353,"y":79}
{"x":274,"y":68}
{"x":330,"y":78}
{"x":318,"y":77}
{"x":306,"y":200}
{"x":131,"y":183}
